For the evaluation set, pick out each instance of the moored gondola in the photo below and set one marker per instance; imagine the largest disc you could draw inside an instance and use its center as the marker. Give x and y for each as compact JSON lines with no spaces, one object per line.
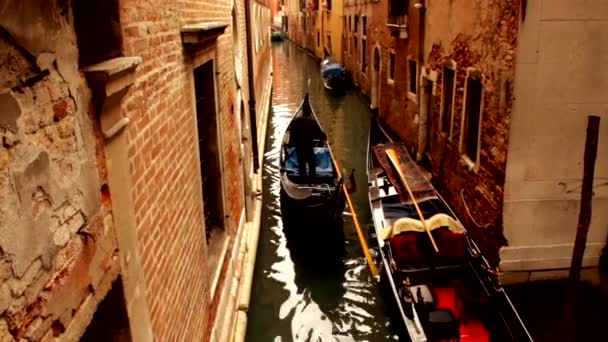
{"x":316,"y":194}
{"x":443,"y":287}
{"x":333,"y":74}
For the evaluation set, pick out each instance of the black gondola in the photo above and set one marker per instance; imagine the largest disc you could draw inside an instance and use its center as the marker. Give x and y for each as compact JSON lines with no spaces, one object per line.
{"x":320,"y":196}
{"x":443,"y":287}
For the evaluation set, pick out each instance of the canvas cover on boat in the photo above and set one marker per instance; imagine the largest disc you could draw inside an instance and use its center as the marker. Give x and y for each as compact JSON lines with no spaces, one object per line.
{"x":419,"y":184}
{"x":408,"y":224}
{"x":332,"y":70}
{"x":323,"y":168}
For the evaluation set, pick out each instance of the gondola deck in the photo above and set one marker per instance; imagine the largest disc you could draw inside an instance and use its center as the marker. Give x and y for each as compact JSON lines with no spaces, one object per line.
{"x":442,"y":285}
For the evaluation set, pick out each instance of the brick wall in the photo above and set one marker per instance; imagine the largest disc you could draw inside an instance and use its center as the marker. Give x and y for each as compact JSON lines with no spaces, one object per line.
{"x":58,"y":246}
{"x":495,"y":25}
{"x":164,"y":160}
{"x":470,"y":38}
{"x":53,"y":156}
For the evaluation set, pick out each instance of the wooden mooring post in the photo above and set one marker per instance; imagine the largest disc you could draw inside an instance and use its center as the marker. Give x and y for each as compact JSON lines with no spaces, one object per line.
{"x":584,"y":220}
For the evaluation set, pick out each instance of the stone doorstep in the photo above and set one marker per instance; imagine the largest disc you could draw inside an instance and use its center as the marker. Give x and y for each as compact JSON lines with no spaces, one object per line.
{"x":589,"y":274}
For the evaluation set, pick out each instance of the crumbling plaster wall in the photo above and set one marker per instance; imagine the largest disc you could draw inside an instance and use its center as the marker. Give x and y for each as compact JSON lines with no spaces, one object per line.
{"x":51,"y":171}
{"x":480,"y":35}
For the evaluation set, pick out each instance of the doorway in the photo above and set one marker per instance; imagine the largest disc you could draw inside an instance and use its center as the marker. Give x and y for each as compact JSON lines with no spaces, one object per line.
{"x":209,"y":151}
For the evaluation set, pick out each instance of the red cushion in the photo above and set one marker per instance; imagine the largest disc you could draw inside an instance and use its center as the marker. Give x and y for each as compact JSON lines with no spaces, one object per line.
{"x":405,"y":248}
{"x":450,"y":244}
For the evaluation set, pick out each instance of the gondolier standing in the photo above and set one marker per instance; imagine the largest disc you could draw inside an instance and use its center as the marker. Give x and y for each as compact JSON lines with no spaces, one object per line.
{"x":304,"y":130}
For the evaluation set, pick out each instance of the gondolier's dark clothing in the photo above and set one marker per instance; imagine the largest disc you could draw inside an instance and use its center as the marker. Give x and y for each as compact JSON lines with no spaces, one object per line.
{"x":303,"y":131}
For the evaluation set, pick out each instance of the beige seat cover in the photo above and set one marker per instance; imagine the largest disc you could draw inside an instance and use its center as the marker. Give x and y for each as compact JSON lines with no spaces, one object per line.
{"x":407,"y":224}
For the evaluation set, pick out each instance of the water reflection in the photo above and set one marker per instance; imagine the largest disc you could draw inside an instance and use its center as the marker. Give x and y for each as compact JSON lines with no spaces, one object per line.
{"x":311,"y":286}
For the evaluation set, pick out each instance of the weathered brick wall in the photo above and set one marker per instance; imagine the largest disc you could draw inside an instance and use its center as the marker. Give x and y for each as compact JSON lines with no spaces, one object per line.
{"x":164,"y":159}
{"x":261,"y":64}
{"x":473,"y":34}
{"x":57,"y":244}
{"x":484,"y":37}
{"x":393,"y":99}
{"x":376,"y":33}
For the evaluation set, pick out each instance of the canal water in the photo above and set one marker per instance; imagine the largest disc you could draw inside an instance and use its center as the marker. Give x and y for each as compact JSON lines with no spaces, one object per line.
{"x":311,"y":287}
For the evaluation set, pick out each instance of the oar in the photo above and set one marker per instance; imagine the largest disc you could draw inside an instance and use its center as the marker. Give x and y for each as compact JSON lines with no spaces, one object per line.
{"x":368,"y":256}
{"x":392,"y":156}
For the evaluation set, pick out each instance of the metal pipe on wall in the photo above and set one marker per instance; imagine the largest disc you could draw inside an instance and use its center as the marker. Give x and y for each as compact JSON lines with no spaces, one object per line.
{"x":251,"y":83}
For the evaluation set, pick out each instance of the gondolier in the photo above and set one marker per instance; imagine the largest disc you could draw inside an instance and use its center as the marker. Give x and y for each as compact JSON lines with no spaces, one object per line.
{"x":304,"y":131}
{"x":316,"y":192}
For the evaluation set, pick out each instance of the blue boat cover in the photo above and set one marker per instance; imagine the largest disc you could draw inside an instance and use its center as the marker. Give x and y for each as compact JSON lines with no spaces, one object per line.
{"x":332,"y":70}
{"x":324,"y":166}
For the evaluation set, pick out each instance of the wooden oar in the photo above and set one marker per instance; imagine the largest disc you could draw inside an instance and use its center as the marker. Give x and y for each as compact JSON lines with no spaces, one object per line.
{"x":368,"y":256}
{"x":392,"y":156}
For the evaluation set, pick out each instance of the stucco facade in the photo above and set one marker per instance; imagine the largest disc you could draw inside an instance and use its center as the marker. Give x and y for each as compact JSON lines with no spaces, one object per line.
{"x":561,"y":78}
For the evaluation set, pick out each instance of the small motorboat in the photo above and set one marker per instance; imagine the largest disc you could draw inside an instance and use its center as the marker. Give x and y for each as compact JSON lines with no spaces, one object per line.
{"x":333,"y":74}
{"x":320,"y":196}
{"x":443,"y":287}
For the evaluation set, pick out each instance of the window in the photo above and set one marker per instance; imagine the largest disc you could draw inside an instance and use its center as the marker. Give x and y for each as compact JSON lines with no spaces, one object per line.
{"x":318,"y":38}
{"x":329,"y":43}
{"x":363,"y":54}
{"x":328,"y":4}
{"x":397,"y":8}
{"x":356,"y":46}
{"x":356,"y":23}
{"x":98,"y":32}
{"x":391,"y":65}
{"x":413,"y":76}
{"x":469,"y":144}
{"x":447,"y":99}
{"x":350,"y":23}
{"x":364,"y":24}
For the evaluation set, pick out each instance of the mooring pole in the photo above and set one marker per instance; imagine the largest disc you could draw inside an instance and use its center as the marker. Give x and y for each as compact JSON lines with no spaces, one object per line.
{"x":584,"y":220}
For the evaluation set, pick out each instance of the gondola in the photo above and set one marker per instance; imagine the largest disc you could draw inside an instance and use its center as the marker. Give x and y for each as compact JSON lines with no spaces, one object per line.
{"x":443,"y":287}
{"x":320,"y":197}
{"x":333,"y":74}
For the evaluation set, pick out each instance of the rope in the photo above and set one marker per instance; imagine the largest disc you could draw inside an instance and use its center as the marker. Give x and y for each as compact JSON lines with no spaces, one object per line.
{"x":469,"y":212}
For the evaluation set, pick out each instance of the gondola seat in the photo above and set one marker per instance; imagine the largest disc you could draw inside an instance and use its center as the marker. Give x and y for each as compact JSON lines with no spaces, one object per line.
{"x":442,"y":326}
{"x":324,"y":167}
{"x":452,"y":246}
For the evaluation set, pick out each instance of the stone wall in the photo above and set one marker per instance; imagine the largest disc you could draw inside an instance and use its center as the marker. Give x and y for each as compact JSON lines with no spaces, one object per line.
{"x":58,"y":248}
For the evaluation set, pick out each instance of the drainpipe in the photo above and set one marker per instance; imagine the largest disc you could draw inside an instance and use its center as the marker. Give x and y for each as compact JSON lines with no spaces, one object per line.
{"x":251,"y":79}
{"x":423,"y":107}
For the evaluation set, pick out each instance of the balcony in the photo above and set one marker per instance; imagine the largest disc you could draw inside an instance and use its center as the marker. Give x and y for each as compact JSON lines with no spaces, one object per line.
{"x":398,"y":25}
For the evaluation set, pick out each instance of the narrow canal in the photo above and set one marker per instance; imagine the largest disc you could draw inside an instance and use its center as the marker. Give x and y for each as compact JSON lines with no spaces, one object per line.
{"x":305,"y":289}
{"x":312,"y":288}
